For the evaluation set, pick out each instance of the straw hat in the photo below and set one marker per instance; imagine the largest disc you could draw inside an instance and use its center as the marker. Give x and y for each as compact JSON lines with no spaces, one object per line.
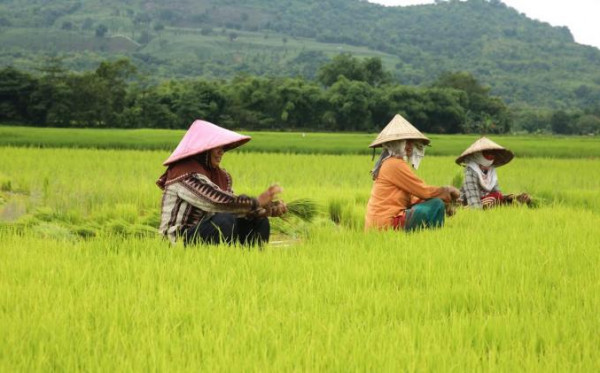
{"x":501,"y":155}
{"x":399,"y":129}
{"x":203,"y":136}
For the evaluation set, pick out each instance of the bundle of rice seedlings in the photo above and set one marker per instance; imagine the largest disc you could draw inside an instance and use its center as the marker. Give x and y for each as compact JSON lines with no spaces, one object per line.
{"x":303,"y":208}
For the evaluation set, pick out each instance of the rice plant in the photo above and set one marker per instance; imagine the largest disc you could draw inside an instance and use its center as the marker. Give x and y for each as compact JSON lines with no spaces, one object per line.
{"x":85,"y":284}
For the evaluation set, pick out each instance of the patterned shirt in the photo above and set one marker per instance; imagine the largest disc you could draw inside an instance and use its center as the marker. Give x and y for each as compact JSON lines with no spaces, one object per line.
{"x":191,"y":198}
{"x":471,"y":192}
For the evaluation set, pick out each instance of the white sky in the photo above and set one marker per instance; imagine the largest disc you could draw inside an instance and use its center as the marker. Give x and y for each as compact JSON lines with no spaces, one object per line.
{"x":582,"y":17}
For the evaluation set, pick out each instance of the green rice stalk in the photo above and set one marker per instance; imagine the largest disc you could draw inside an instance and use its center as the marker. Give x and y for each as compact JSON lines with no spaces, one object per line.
{"x":303,"y":208}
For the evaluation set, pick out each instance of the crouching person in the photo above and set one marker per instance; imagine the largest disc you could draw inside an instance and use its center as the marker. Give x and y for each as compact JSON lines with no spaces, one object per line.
{"x":399,"y":198}
{"x":198,"y":203}
{"x":480,"y":187}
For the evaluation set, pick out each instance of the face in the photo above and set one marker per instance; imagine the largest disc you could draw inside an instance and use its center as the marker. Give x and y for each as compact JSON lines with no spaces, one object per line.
{"x":216,"y":155}
{"x":412,"y":145}
{"x":489,"y":157}
{"x":408,"y":148}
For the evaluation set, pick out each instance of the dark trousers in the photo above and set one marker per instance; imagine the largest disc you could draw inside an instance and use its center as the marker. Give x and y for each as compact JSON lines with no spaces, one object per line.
{"x":226,"y":228}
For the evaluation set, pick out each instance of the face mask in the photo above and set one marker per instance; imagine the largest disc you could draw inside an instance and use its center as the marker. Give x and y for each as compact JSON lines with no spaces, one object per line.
{"x":480,"y":159}
{"x":417,"y":154}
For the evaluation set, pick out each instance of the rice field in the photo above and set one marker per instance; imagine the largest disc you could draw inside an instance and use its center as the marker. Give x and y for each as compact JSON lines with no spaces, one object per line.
{"x":86,"y":285}
{"x":289,"y":142}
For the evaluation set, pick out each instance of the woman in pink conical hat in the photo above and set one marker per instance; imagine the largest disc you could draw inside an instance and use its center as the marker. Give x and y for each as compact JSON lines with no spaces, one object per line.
{"x":480,"y":187}
{"x":198,"y":203}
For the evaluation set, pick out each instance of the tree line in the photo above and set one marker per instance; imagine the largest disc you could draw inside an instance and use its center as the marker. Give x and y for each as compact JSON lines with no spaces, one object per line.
{"x":348,"y":94}
{"x":522,"y":59}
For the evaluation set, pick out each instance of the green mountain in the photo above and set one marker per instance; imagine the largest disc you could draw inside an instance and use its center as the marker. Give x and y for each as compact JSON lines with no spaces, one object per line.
{"x":526,"y":62}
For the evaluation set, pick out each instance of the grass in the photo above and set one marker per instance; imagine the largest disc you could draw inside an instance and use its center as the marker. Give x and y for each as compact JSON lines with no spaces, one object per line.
{"x":291,"y":142}
{"x":85,"y":284}
{"x":515,"y":298}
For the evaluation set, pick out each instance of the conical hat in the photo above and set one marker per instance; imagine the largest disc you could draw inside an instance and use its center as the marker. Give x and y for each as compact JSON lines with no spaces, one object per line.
{"x":398,"y":129}
{"x":501,"y":155}
{"x":203,"y":136}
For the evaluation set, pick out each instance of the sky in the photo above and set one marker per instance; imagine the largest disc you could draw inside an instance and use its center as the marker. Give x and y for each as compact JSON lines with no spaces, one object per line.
{"x":582,"y":17}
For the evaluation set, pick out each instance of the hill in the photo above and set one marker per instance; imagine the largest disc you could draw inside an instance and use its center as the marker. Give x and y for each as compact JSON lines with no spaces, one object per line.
{"x":526,"y":62}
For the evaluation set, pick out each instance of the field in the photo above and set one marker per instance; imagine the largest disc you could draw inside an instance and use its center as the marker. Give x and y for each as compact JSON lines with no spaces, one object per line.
{"x":85,"y":283}
{"x":290,"y":142}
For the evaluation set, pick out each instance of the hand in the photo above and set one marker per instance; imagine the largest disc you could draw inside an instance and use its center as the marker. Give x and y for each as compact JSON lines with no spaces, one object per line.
{"x":454,"y":193}
{"x":278,"y":208}
{"x":267,"y":196}
{"x":524,"y":198}
{"x":450,"y":209}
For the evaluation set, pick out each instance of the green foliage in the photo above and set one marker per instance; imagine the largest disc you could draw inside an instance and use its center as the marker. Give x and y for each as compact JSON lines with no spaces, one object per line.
{"x":520,"y":59}
{"x":485,"y":114}
{"x":108,"y":98}
{"x":369,"y":70}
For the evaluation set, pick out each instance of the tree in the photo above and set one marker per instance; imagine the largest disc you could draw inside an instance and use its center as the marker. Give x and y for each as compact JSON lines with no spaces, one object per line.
{"x":109,"y":83}
{"x":15,"y":90}
{"x":300,"y":103}
{"x":349,"y":106}
{"x":341,"y":65}
{"x":461,"y":80}
{"x":587,"y":125}
{"x":87,"y":24}
{"x":198,"y":99}
{"x":145,"y":37}
{"x":484,"y":113}
{"x":67,"y":25}
{"x":374,"y":72}
{"x":369,"y":70}
{"x":101,"y":31}
{"x":561,"y":123}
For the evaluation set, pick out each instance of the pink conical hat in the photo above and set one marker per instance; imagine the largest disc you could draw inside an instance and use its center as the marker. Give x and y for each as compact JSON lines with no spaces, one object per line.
{"x":203,"y":136}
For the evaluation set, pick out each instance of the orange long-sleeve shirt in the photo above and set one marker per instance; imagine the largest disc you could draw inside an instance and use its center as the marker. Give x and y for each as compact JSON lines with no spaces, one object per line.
{"x":394,"y":191}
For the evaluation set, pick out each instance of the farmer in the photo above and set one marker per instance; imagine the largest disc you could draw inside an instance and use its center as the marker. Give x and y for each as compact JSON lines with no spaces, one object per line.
{"x":480,"y":187}
{"x":198,"y":204}
{"x":399,"y":198}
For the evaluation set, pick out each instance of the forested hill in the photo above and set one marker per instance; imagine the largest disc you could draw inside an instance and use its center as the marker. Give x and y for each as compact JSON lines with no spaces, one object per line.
{"x":524,"y":61}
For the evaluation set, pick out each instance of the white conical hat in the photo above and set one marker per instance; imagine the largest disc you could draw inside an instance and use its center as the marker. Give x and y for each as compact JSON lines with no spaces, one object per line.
{"x":399,"y":129}
{"x":501,"y":155}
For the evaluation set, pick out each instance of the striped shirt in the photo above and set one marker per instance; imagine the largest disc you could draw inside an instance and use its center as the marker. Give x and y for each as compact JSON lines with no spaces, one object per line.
{"x":471,"y":192}
{"x":191,"y":198}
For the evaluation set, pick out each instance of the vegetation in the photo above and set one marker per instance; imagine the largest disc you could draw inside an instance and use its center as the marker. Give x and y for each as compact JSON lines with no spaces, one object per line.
{"x":349,"y":95}
{"x":525,"y":62}
{"x":290,"y":142}
{"x":87,"y":285}
{"x":355,"y":99}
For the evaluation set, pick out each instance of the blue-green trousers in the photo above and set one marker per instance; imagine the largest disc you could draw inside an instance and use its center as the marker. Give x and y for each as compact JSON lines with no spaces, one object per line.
{"x":428,"y":214}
